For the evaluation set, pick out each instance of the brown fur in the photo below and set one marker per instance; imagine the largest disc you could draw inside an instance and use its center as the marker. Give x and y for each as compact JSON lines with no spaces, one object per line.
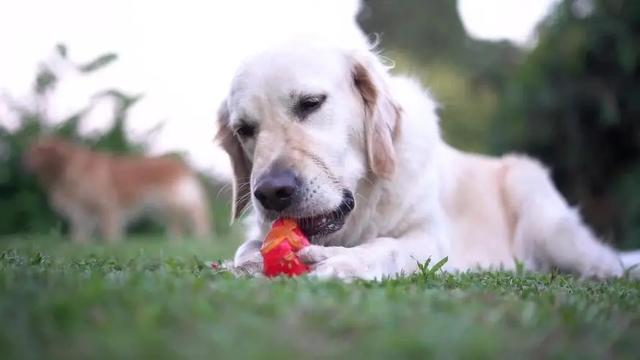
{"x":239,"y":163}
{"x":89,"y":187}
{"x":382,"y":117}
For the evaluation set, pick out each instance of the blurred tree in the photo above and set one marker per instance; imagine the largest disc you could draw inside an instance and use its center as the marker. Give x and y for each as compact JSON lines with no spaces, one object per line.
{"x":21,"y":198}
{"x":427,"y":38}
{"x":430,"y":29}
{"x":116,"y":139}
{"x":22,"y":201}
{"x":575,"y":102}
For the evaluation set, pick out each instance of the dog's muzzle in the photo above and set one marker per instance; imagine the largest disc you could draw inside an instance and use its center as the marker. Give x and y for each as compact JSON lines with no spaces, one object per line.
{"x":327,"y":223}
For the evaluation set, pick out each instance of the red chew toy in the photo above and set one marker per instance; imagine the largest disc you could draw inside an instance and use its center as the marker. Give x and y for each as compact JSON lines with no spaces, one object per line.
{"x":280,"y":247}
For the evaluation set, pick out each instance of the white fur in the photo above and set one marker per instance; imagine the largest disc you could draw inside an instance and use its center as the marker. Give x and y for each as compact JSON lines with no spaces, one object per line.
{"x":631,"y":262}
{"x":478,"y":211}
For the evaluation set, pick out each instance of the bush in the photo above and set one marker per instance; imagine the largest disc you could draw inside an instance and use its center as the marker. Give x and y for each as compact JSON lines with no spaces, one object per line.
{"x":575,"y":103}
{"x":23,"y":204}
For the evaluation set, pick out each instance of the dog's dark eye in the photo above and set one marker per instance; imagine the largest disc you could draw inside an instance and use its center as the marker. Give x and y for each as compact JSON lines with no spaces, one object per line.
{"x":308,"y":104}
{"x":246,"y":131}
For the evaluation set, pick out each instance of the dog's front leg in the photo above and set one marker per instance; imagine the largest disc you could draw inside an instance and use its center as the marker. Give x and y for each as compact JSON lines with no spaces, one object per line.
{"x":377,"y":259}
{"x":248,"y":259}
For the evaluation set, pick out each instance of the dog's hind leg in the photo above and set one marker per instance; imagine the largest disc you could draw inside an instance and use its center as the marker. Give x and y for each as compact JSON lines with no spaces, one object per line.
{"x":189,"y":199}
{"x":548,"y":232}
{"x":175,"y":225}
{"x":82,"y":226}
{"x":200,"y":221}
{"x":631,"y":262}
{"x":111,"y":225}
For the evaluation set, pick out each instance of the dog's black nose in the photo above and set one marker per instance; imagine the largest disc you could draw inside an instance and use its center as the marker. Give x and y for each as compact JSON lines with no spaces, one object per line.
{"x":276,"y":190}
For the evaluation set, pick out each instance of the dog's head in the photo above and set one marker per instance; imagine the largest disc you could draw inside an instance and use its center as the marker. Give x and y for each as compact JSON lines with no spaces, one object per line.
{"x":304,"y":127}
{"x":46,"y":158}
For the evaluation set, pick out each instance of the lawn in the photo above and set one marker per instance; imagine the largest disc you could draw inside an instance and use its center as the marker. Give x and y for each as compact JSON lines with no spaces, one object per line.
{"x":149,"y":298}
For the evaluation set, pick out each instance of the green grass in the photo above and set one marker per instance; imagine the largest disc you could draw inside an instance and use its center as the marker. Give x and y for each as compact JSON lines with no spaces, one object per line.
{"x":153,"y":299}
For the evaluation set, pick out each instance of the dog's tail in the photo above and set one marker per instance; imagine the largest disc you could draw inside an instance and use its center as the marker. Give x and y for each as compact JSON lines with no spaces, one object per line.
{"x":631,"y":262}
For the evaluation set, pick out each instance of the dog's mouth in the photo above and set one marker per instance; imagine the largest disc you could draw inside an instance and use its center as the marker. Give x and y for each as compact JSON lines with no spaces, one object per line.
{"x":328,"y":223}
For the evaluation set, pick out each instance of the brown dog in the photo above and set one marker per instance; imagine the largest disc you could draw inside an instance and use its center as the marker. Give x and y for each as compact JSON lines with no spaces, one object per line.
{"x":91,"y":188}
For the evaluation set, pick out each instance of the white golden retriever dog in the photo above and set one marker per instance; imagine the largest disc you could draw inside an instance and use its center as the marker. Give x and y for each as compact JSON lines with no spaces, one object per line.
{"x":324,"y":134}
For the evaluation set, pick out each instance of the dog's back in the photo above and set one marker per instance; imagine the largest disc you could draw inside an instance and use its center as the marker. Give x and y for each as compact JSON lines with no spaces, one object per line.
{"x":165,"y":185}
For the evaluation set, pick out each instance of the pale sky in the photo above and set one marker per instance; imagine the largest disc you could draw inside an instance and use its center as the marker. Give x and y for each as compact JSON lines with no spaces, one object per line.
{"x":512,"y":20}
{"x":182,"y":54}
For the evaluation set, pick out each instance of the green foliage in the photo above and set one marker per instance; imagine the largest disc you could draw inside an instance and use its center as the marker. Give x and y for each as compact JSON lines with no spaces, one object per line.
{"x":417,"y":25}
{"x":116,"y":139}
{"x":427,"y":39}
{"x":430,"y":273}
{"x":146,"y":298}
{"x":23,"y":204}
{"x":21,"y":199}
{"x":96,"y":64}
{"x":465,"y":124}
{"x":574,"y":102}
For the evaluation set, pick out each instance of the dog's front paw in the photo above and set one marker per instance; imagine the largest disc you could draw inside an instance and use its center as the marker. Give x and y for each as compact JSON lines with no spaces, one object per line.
{"x":334,"y":263}
{"x":605,"y":266}
{"x":248,"y":260}
{"x":249,"y":268}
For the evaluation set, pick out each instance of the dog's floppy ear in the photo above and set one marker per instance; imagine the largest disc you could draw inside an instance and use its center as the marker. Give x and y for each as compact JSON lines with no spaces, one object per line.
{"x":382,"y":115}
{"x":239,"y":162}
